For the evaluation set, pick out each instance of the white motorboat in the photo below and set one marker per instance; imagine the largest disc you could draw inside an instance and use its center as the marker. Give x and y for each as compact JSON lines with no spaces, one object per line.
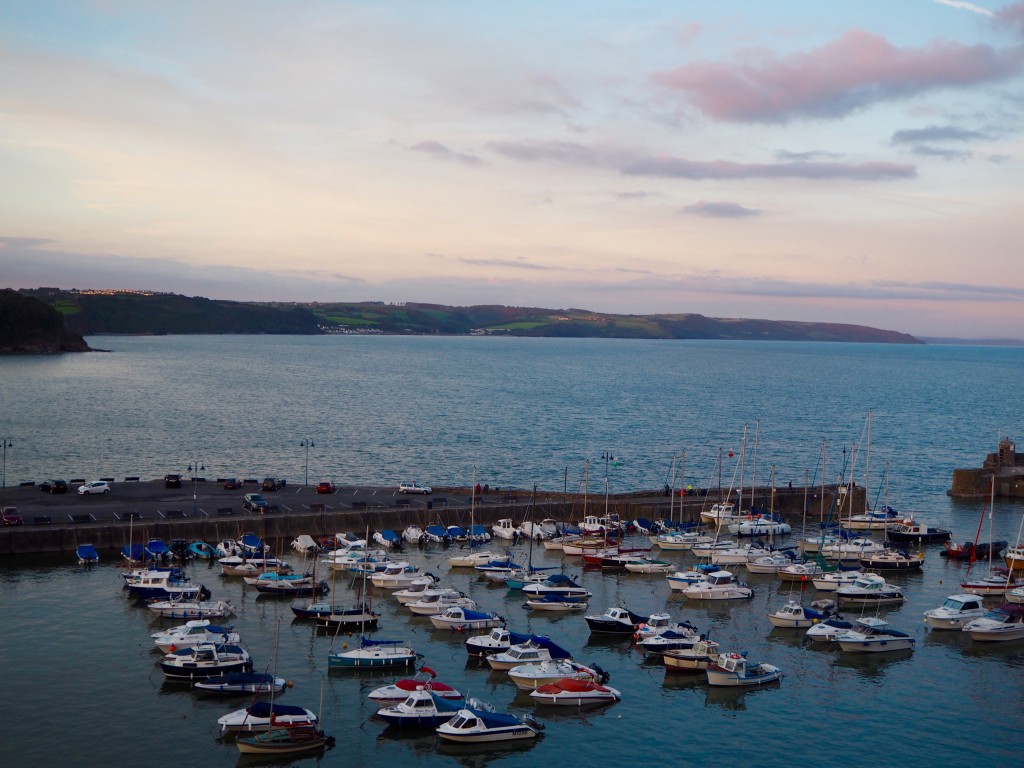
{"x":739,"y":555}
{"x":423,"y":680}
{"x":471,"y":559}
{"x":556,"y":585}
{"x":569,"y":692}
{"x":205,"y":660}
{"x":505,"y":529}
{"x":413,"y":534}
{"x":830,"y":582}
{"x":441,"y":601}
{"x":420,"y":708}
{"x":373,"y":654}
{"x":497,"y":640}
{"x":802,"y":572}
{"x":719,"y":585}
{"x":1003,"y":623}
{"x":191,"y":609}
{"x":192,"y":633}
{"x":793,"y":615}
{"x":647,"y":565}
{"x":425,"y":585}
{"x":475,"y":726}
{"x":556,"y":604}
{"x":707,"y":548}
{"x":534,"y":651}
{"x":870,"y":589}
{"x":242,"y":682}
{"x":955,"y":612}
{"x":257,"y":717}
{"x":680,"y":580}
{"x":460,"y":619}
{"x":873,"y":520}
{"x":772,"y":563}
{"x":698,"y":657}
{"x":1015,"y":596}
{"x":397,"y":575}
{"x":872,"y":635}
{"x":528,"y":677}
{"x":852,"y":549}
{"x":827,"y":631}
{"x":722,"y":514}
{"x":760,"y":525}
{"x":680,"y":541}
{"x":733,"y":670}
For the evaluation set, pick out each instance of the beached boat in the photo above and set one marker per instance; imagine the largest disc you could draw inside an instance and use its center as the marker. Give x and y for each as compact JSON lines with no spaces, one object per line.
{"x":285,"y":741}
{"x":257,"y":717}
{"x":872,"y":635}
{"x":460,"y":619}
{"x":205,"y":660}
{"x":569,"y":692}
{"x":955,"y":612}
{"x":733,"y":670}
{"x":375,"y":654}
{"x":474,"y":726}
{"x":1001,"y":624}
{"x":242,"y":683}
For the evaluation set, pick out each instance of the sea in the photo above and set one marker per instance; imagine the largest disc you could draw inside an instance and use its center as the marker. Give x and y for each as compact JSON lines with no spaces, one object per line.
{"x":80,"y":681}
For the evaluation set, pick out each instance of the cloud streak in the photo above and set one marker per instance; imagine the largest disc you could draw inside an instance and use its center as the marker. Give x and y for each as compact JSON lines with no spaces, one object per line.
{"x":851,"y":73}
{"x":965,"y":7}
{"x":439,"y":151}
{"x":720,"y":210}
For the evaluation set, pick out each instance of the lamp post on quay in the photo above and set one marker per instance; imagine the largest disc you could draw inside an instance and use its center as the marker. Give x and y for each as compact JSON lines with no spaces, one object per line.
{"x":7,"y":444}
{"x":307,"y":444}
{"x":194,"y":469}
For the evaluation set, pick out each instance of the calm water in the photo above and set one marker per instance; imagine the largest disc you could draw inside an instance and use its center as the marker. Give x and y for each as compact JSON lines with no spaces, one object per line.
{"x":76,"y":654}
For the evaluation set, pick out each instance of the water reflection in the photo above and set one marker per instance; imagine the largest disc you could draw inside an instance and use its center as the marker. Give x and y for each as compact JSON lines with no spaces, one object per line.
{"x":872,"y":666}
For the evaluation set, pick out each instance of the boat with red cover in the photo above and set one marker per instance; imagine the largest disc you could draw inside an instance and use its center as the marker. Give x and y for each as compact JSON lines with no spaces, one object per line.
{"x":569,"y":692}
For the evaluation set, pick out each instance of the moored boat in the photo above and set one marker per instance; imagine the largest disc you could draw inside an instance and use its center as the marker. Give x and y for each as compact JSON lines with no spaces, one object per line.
{"x":872,"y":635}
{"x":459,"y":619}
{"x":423,"y":680}
{"x":696,"y":658}
{"x":870,"y":589}
{"x":955,"y":612}
{"x":205,"y":660}
{"x":718,"y":585}
{"x":264,"y":716}
{"x":191,"y":609}
{"x":733,"y":670}
{"x":242,"y":683}
{"x":376,"y":654}
{"x":615,"y":620}
{"x":569,"y":692}
{"x":87,"y":554}
{"x":423,"y":707}
{"x":285,"y":741}
{"x":193,"y":633}
{"x":474,"y":726}
{"x":793,"y":615}
{"x":1006,"y":622}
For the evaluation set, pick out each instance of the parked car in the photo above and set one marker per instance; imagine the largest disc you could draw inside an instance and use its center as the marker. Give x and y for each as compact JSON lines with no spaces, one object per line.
{"x":325,"y":486}
{"x":414,"y":487}
{"x":11,"y":516}
{"x":272,"y":484}
{"x":254,"y":502}
{"x":232,"y":484}
{"x":96,"y":486}
{"x":172,"y":481}
{"x":54,"y":486}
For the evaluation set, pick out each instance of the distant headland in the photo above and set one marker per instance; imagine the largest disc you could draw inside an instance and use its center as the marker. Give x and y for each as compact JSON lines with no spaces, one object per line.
{"x":100,"y":312}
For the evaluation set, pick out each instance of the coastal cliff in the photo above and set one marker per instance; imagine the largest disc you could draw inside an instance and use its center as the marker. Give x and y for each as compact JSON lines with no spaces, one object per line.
{"x":29,"y":326}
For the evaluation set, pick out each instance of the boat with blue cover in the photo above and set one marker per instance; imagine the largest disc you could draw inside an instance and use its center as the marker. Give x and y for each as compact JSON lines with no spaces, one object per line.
{"x":437,"y":534}
{"x":457,"y":533}
{"x":201,"y":550}
{"x":238,"y":683}
{"x":373,"y":654}
{"x":388,"y":539}
{"x":793,"y":615}
{"x":557,"y":585}
{"x":472,"y":725}
{"x":205,"y":660}
{"x":162,"y":585}
{"x":193,"y":633}
{"x":497,"y":640}
{"x":421,"y":708}
{"x":87,"y":554}
{"x":872,"y":635}
{"x":265,"y":715}
{"x":536,"y":649}
{"x":157,"y":550}
{"x":459,"y":618}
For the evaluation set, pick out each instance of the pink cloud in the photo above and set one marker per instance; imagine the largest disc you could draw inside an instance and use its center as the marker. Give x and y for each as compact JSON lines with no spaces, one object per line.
{"x":720,"y":210}
{"x":1012,"y":17}
{"x":853,"y":72}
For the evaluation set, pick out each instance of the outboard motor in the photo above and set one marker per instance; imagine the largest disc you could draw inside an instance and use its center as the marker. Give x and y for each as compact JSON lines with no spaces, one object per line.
{"x":602,"y":676}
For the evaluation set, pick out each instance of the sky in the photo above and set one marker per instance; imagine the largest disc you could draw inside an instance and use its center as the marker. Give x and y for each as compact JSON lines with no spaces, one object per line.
{"x":852,"y":161}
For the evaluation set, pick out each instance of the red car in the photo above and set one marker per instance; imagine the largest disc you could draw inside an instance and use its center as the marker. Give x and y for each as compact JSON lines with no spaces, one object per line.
{"x":11,"y":516}
{"x":325,"y":486}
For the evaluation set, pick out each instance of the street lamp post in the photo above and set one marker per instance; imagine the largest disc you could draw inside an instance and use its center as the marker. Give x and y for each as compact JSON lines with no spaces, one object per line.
{"x":307,"y":444}
{"x":607,"y":456}
{"x":7,"y":444}
{"x":194,"y":469}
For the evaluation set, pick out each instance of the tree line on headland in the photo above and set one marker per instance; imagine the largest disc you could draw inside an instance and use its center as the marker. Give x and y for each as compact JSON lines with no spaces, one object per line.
{"x":53,"y":319}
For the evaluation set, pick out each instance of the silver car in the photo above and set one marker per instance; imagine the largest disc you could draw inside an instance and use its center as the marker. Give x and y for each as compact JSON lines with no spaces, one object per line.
{"x":96,"y":486}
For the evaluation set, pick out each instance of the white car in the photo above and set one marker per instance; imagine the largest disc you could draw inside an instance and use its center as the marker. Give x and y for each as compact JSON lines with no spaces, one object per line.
{"x":96,"y":486}
{"x":414,"y":487}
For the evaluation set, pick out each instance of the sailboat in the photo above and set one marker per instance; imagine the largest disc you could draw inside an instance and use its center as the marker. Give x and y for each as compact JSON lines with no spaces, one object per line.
{"x":473,"y":558}
{"x":993,"y":583}
{"x":286,"y":738}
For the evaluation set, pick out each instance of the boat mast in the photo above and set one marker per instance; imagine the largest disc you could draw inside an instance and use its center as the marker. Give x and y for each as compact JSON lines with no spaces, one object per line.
{"x":753,"y":472}
{"x":682,"y":479}
{"x":867,"y":467}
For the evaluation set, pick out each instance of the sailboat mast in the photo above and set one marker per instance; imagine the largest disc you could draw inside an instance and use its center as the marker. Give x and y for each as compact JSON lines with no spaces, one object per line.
{"x":753,"y":471}
{"x":867,"y":467}
{"x":682,"y":480}
{"x":823,"y":454}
